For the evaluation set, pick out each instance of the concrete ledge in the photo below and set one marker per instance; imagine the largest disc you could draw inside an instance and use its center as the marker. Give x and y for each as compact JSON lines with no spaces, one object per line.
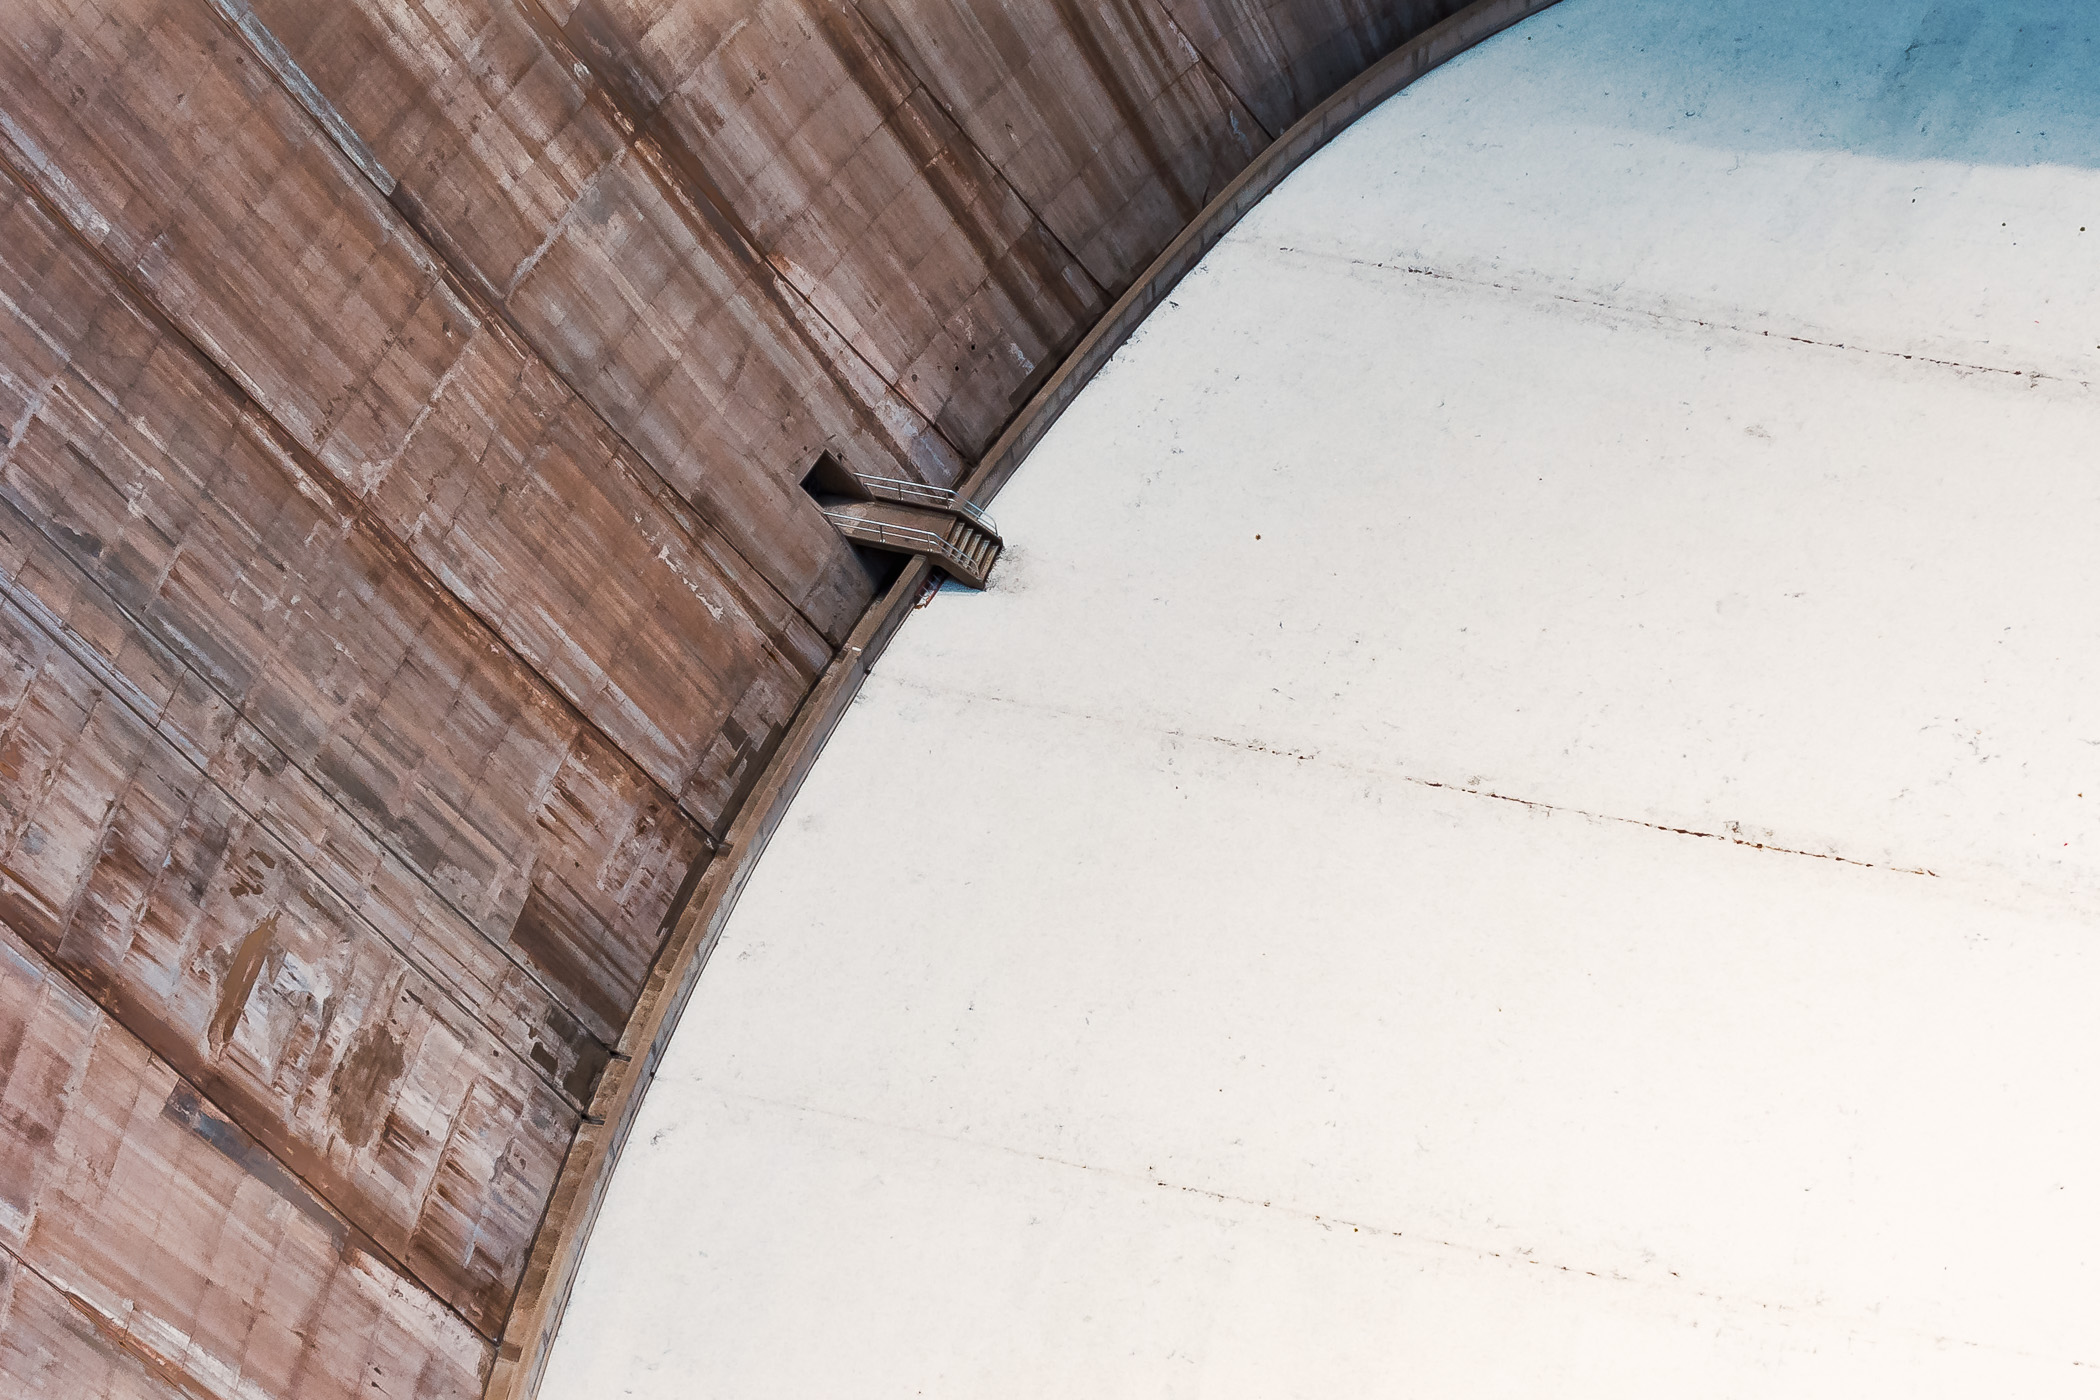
{"x":572,"y":1211}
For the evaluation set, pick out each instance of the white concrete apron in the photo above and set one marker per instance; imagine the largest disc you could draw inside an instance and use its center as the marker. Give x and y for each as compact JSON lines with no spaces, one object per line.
{"x":1519,"y":818}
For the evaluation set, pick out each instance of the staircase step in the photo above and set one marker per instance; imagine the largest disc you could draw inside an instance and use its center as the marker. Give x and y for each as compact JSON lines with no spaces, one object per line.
{"x":951,"y":541}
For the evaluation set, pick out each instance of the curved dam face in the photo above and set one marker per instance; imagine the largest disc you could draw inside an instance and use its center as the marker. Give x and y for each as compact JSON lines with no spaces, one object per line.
{"x":415,"y":608}
{"x":1518,"y":815}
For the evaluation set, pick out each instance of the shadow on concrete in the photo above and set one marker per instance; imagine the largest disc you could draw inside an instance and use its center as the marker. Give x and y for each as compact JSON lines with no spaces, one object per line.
{"x":2012,"y":83}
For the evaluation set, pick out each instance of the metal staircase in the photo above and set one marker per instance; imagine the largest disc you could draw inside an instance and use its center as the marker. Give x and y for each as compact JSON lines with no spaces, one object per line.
{"x":907,"y":517}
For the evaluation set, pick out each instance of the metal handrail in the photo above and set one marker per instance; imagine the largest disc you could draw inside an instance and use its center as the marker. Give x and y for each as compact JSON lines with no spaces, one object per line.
{"x":918,"y":493}
{"x":910,"y":538}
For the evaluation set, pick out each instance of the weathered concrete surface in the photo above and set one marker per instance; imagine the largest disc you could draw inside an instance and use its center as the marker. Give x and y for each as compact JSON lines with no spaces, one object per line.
{"x":1107,"y":121}
{"x":405,"y":580}
{"x":1519,"y":818}
{"x":440,"y":424}
{"x":47,"y":1344}
{"x":184,"y":1257}
{"x":161,"y":522}
{"x":598,"y":242}
{"x":1283,"y":59}
{"x":137,"y":876}
{"x":835,"y":162}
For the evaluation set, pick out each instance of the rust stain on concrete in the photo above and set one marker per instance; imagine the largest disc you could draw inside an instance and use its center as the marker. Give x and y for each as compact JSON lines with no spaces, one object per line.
{"x":246,"y":966}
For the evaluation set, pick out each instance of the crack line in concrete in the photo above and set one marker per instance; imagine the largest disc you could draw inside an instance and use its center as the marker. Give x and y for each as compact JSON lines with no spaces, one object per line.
{"x":2033,"y":376}
{"x":1255,"y":746}
{"x":1522,"y":1255}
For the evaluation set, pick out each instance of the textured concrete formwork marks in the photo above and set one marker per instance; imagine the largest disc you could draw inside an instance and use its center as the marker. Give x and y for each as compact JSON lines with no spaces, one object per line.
{"x":1282,"y":59}
{"x":835,"y":162}
{"x":1531,"y":778}
{"x":1107,"y":119}
{"x":144,"y":882}
{"x":185,"y":163}
{"x":548,"y":191}
{"x":406,"y":586}
{"x":153,"y":1248}
{"x":180,"y":546}
{"x":43,"y":1339}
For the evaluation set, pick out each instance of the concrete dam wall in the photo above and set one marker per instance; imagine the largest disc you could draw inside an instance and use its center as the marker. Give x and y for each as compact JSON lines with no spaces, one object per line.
{"x":410,"y":599}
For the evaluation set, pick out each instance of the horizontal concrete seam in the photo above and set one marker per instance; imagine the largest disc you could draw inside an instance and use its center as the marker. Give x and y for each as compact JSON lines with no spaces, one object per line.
{"x":1203,"y":61}
{"x":644,"y":134}
{"x":1347,"y":765}
{"x":1646,"y":313}
{"x":494,"y":312}
{"x":1332,"y":1222}
{"x":933,"y":95}
{"x":279,"y":61}
{"x":149,"y":714}
{"x":104,"y":1325}
{"x":309,"y":477}
{"x":355,"y":1233}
